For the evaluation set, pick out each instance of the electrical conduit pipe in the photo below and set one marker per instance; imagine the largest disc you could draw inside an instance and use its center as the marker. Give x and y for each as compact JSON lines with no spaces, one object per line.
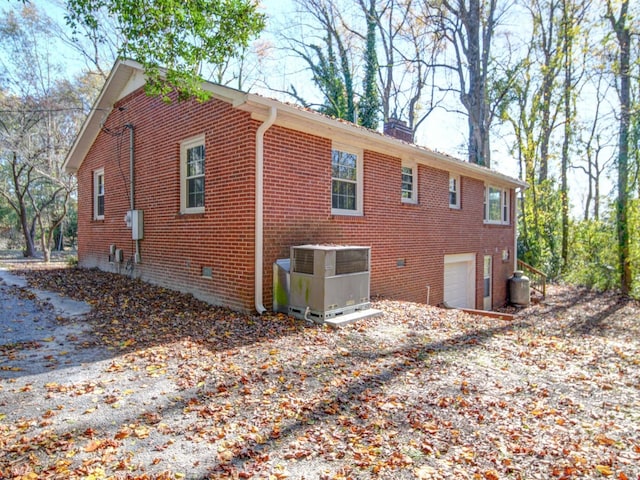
{"x":259,"y":218}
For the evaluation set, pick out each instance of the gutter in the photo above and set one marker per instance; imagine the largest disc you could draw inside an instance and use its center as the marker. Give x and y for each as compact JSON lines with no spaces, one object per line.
{"x":259,"y":218}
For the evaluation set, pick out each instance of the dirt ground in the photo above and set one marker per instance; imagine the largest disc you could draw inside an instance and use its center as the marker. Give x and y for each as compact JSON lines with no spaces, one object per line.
{"x":155,"y":384}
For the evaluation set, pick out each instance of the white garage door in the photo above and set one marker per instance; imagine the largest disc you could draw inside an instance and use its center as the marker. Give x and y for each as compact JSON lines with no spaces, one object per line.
{"x":459,"y":280}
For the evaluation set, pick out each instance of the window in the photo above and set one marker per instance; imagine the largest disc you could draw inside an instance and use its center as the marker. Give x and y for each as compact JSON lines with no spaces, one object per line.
{"x":98,"y":194}
{"x":409,"y":183}
{"x":192,"y":157}
{"x":454,"y":191}
{"x":496,"y":205}
{"x":346,"y":181}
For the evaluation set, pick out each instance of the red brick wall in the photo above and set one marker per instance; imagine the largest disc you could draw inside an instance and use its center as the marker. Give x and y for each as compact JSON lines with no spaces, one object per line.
{"x":299,"y":212}
{"x":297,"y":208}
{"x":175,"y":247}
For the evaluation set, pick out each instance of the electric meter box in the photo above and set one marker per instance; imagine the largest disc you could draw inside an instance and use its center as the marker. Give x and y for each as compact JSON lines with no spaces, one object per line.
{"x":137,"y":223}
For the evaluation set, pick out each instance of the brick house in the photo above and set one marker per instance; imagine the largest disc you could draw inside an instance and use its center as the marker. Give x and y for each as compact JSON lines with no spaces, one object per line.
{"x":222,"y":189}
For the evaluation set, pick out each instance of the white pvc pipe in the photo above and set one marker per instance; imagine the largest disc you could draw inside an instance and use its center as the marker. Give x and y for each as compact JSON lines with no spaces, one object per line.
{"x":259,"y":218}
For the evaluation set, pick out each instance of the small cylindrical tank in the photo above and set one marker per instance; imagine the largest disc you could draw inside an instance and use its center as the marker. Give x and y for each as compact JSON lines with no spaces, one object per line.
{"x":519,"y":292}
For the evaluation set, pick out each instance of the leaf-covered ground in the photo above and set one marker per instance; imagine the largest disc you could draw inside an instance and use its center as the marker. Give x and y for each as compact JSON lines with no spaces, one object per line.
{"x":180,"y":389}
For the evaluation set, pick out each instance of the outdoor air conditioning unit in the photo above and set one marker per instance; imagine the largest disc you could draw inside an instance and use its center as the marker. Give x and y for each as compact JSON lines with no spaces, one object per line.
{"x":327,"y":281}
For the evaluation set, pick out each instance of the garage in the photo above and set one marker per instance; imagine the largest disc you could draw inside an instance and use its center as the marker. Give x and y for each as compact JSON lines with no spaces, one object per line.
{"x":460,"y":280}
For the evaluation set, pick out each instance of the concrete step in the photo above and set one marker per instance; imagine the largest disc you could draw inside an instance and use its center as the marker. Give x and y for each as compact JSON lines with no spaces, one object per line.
{"x":348,"y":318}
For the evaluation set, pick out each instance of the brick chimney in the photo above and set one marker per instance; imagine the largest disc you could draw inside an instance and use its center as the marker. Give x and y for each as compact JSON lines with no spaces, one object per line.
{"x":398,"y":129}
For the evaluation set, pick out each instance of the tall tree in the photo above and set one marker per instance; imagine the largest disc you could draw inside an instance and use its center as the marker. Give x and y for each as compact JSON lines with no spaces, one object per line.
{"x":369,"y":104}
{"x":177,"y":36}
{"x":331,"y":62}
{"x":620,"y":26}
{"x":532,"y":108}
{"x":40,"y":114}
{"x":469,"y":26}
{"x":409,"y":44}
{"x":594,"y":140}
{"x":572,"y":16}
{"x":547,"y":20}
{"x":396,"y":32}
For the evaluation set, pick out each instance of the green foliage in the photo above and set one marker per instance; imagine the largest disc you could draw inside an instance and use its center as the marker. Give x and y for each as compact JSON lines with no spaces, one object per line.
{"x":369,"y":105}
{"x":176,"y":35}
{"x":539,"y":228}
{"x":70,"y":230}
{"x":634,"y":234}
{"x":327,"y":77}
{"x":7,"y":215}
{"x":592,"y":260}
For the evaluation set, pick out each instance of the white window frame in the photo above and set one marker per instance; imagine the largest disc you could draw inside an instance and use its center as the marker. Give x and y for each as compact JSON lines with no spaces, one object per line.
{"x":505,"y":205}
{"x":358,"y":152}
{"x":185,"y":145}
{"x":97,"y":193}
{"x":456,"y":180}
{"x":411,"y":195}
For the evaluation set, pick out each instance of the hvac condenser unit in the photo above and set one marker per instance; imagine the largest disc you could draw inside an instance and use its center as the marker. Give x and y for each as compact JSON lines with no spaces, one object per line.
{"x":327,"y":281}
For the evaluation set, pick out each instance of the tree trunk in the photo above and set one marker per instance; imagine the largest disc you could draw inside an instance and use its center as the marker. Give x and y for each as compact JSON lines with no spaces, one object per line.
{"x":567,"y":51}
{"x":473,"y":54}
{"x":21,"y":209}
{"x":29,"y":245}
{"x":550,"y":71}
{"x":623,"y":36}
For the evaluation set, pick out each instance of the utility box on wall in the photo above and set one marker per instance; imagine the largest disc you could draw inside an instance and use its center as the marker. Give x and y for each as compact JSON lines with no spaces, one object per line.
{"x":328,"y":281}
{"x":135,"y":220}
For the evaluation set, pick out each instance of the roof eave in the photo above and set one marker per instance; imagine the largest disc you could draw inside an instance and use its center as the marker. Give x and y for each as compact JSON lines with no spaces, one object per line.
{"x":295,"y":118}
{"x":111,"y":91}
{"x":120,"y":83}
{"x":122,"y":80}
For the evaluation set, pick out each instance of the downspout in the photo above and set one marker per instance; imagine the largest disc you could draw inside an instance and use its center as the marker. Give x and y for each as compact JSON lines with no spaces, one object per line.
{"x":132,"y":183}
{"x":259,"y":218}
{"x":131,"y":179}
{"x":515,"y":228}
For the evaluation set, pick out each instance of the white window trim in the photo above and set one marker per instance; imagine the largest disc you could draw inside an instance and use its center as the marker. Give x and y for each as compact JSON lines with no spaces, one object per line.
{"x":457,"y":179}
{"x":358,"y":152}
{"x":184,"y":146}
{"x":414,"y":174}
{"x":97,"y":174}
{"x":505,"y":206}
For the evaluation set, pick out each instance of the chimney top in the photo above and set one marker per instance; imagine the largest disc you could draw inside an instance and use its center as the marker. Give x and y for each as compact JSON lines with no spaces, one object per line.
{"x":398,"y":129}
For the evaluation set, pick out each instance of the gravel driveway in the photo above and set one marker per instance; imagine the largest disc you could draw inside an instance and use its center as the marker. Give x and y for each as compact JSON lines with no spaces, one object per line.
{"x":44,"y":325}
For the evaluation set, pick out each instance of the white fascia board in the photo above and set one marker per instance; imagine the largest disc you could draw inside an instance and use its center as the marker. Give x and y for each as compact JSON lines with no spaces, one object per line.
{"x":125,"y":77}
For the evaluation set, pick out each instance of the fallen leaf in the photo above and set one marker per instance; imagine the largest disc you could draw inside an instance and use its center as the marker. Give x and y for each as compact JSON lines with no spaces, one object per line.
{"x":604,"y":470}
{"x":141,"y":431}
{"x":604,"y":440}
